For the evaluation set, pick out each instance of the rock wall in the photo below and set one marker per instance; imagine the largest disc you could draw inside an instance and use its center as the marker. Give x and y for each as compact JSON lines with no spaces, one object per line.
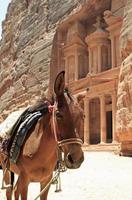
{"x":29,"y":48}
{"x":25,"y":49}
{"x":124,"y":102}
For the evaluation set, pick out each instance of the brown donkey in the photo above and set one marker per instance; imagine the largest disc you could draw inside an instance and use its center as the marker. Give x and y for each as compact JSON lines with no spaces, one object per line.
{"x":56,"y":129}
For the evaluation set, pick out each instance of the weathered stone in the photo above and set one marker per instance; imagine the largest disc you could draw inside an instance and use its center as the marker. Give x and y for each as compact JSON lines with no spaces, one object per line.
{"x":126,"y":33}
{"x":124,"y":103}
{"x":25,"y":48}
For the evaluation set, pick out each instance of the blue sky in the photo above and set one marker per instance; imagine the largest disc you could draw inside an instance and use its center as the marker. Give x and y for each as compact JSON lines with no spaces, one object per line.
{"x":3,"y":9}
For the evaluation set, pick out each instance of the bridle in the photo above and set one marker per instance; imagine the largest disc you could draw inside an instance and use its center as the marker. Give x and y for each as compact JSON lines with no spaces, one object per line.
{"x":60,"y":143}
{"x":52,"y":109}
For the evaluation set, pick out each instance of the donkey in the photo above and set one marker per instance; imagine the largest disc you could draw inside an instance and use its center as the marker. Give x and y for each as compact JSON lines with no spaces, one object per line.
{"x":58,"y":128}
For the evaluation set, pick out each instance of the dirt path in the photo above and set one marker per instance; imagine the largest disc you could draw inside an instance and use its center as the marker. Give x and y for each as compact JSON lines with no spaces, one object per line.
{"x":103,"y":176}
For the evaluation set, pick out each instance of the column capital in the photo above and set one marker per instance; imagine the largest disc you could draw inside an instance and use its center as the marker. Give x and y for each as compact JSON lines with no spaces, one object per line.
{"x":101,"y":96}
{"x":86,"y":98}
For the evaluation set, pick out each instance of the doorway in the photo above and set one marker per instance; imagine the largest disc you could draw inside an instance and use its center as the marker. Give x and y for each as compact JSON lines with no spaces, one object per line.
{"x":109,"y":126}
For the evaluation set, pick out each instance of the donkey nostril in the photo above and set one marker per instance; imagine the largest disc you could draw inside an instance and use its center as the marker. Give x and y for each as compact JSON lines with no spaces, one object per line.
{"x":70,"y":158}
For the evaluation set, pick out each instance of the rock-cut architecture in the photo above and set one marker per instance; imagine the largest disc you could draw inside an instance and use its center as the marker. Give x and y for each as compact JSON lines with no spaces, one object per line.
{"x":89,"y":51}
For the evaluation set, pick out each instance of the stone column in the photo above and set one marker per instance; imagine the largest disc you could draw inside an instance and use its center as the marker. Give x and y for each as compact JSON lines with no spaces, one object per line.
{"x":90,"y":60}
{"x":109,"y":56}
{"x":95,"y":61}
{"x":113,"y":54}
{"x":86,"y":122}
{"x":103,"y":118}
{"x":66,"y":70}
{"x":114,"y":101}
{"x":76,"y":66}
{"x":99,"y":59}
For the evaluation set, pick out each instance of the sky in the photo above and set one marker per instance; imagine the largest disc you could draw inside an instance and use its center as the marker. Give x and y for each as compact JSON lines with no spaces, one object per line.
{"x":3,"y":9}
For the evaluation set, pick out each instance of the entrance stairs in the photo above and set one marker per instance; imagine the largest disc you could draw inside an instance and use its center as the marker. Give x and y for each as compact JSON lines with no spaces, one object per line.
{"x":113,"y":147}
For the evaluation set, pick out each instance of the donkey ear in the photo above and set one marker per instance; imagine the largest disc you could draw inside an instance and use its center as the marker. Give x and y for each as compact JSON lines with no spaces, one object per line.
{"x":59,"y":83}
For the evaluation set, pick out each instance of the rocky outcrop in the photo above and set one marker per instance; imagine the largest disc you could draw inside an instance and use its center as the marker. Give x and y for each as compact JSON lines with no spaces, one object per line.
{"x":25,"y":49}
{"x":124,"y":102}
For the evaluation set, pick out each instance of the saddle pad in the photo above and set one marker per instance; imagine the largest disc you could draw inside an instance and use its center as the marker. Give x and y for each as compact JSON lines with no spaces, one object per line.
{"x":15,"y":128}
{"x":21,"y":135}
{"x":7,"y":125}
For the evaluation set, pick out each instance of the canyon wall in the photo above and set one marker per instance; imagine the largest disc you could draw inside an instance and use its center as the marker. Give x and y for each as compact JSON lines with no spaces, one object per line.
{"x":25,"y":49}
{"x":124,"y":101}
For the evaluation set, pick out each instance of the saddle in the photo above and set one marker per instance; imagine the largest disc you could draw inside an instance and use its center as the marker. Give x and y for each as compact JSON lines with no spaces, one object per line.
{"x":15,"y":137}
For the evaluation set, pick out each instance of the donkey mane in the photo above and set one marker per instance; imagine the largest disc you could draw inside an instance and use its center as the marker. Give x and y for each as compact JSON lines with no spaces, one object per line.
{"x":40,"y":103}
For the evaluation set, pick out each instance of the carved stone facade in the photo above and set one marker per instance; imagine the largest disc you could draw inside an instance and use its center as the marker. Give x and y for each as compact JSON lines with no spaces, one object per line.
{"x":90,"y":54}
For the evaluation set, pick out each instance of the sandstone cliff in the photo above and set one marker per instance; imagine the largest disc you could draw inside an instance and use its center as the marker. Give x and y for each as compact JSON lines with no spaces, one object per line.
{"x":26,"y":59}
{"x":124,"y":103}
{"x":25,"y":49}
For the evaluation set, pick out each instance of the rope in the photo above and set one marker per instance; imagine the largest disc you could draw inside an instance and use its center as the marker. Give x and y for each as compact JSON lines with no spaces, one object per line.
{"x":56,"y":176}
{"x":59,"y":143}
{"x":54,"y":126}
{"x":61,"y":168}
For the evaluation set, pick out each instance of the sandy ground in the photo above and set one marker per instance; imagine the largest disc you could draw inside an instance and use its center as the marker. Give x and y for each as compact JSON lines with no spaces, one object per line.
{"x":102,"y":176}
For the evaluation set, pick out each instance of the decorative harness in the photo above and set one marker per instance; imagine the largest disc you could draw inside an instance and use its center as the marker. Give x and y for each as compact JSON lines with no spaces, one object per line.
{"x":63,"y":142}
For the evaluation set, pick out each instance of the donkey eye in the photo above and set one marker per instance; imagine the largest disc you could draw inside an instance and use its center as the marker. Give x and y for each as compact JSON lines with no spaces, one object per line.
{"x":59,"y":115}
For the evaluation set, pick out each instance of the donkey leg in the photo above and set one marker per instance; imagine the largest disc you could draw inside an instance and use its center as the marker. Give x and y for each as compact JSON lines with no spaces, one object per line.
{"x":16,"y":189}
{"x":21,"y":188}
{"x":7,"y":180}
{"x":45,"y":194}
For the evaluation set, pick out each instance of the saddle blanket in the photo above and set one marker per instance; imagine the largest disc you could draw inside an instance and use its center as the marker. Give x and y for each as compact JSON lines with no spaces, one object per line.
{"x":14,"y":129}
{"x":23,"y":129}
{"x":7,"y":125}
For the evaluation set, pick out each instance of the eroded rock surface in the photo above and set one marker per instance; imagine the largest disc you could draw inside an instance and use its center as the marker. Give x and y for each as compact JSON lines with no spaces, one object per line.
{"x":25,"y":49}
{"x":124,"y":102}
